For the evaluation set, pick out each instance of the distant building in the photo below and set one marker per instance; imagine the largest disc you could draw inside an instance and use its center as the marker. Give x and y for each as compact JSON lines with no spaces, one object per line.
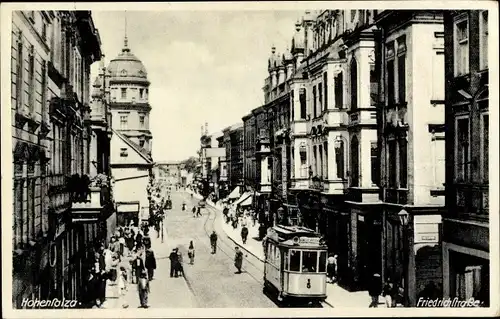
{"x":466,"y":245}
{"x":131,"y":161}
{"x":168,"y":173}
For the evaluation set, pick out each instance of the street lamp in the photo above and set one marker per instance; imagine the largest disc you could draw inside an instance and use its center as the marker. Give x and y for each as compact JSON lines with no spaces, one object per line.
{"x":404,"y":218}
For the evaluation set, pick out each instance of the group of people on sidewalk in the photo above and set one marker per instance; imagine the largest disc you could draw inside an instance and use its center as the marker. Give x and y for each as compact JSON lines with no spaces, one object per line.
{"x":127,"y":258}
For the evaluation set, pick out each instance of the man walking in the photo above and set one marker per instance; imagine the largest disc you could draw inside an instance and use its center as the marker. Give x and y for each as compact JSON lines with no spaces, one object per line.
{"x":213,"y":242}
{"x":174,"y":259}
{"x":194,"y":211}
{"x":374,"y":290}
{"x":198,"y":211}
{"x":150,"y":263}
{"x":244,"y":234}
{"x":238,"y":259}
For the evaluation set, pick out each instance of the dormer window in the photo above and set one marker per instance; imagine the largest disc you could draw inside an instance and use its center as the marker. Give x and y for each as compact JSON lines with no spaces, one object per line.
{"x":123,"y":152}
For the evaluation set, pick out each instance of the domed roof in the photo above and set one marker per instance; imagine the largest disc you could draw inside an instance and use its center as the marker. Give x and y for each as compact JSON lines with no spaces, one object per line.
{"x":127,"y":66}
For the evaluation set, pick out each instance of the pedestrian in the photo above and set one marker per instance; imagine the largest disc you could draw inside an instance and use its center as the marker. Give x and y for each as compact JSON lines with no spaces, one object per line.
{"x":150,"y":263}
{"x":138,"y":266}
{"x":374,"y":290}
{"x":121,"y":243}
{"x":174,"y":259}
{"x":144,"y":289}
{"x":213,"y":242}
{"x":198,"y":211}
{"x":390,"y":293}
{"x":244,"y":234}
{"x":130,"y":241}
{"x":180,"y":261}
{"x":235,"y":222}
{"x":238,"y":259}
{"x":113,"y":245}
{"x":331,"y":268}
{"x":138,"y":240}
{"x":194,"y":210}
{"x":123,"y":281}
{"x":113,"y":273}
{"x":254,"y":218}
{"x":244,"y":221}
{"x":146,"y":240}
{"x":191,"y":253}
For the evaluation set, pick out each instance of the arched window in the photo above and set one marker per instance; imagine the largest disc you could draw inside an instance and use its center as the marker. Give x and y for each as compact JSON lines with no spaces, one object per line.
{"x":354,"y":161}
{"x":354,"y":84}
{"x":339,"y":158}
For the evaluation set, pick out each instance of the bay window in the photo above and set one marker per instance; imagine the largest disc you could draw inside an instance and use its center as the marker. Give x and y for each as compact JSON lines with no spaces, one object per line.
{"x":339,"y":91}
{"x":373,"y":86}
{"x":325,"y":81}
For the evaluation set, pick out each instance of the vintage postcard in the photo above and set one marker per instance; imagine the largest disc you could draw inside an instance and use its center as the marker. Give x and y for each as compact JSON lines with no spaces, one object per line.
{"x":250,"y":159}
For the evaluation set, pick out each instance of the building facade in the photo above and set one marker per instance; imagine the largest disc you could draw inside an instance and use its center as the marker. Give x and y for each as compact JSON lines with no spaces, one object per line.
{"x":411,"y":132}
{"x":131,"y":162}
{"x":466,"y":264}
{"x":168,"y":173}
{"x":51,"y":138}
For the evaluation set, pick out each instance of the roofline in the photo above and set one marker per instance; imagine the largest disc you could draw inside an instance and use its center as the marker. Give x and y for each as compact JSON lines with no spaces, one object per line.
{"x":132,"y":145}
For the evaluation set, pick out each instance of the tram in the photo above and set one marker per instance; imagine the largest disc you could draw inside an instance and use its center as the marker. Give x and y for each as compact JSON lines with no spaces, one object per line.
{"x":295,"y":265}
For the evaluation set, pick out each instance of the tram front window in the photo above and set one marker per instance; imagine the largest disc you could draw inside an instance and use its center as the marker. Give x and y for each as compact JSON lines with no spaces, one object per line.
{"x":309,"y":261}
{"x":322,"y":261}
{"x":294,"y":260}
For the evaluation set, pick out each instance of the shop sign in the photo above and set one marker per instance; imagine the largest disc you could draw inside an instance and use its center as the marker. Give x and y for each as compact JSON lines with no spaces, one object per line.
{"x":361,"y":218}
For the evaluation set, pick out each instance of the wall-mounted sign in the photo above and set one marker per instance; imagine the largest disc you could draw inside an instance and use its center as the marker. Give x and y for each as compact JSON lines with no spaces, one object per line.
{"x":309,"y":240}
{"x":361,"y":218}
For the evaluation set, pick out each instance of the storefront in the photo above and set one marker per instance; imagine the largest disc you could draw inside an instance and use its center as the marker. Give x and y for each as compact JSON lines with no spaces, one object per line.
{"x":127,"y":212}
{"x":365,"y":251}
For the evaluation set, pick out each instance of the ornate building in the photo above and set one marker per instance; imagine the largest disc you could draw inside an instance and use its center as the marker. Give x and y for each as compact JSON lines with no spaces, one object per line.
{"x":51,"y":139}
{"x":131,"y":161}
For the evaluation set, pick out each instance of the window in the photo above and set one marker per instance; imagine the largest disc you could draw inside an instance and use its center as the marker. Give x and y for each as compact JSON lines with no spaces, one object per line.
{"x":322,"y":262}
{"x":141,"y":93}
{"x":485,"y":147}
{"x":483,"y":40}
{"x":339,"y":91}
{"x":141,"y":143}
{"x":325,"y":80}
{"x":44,"y":30}
{"x":303,"y":162}
{"x":462,"y":156}
{"x":438,"y":156}
{"x":339,"y":159}
{"x":315,"y":113}
{"x":354,"y":84}
{"x":31,"y":79}
{"x":19,"y":72}
{"x":303,"y":104}
{"x":461,"y":47}
{"x":294,"y":260}
{"x":44,"y":89}
{"x":401,"y":78}
{"x":123,"y":152}
{"x":354,"y":162}
{"x":320,"y":97}
{"x":392,"y":161}
{"x":325,"y":150}
{"x":309,"y":261}
{"x":374,"y":163}
{"x":292,"y":105}
{"x":123,"y":121}
{"x":124,"y":93}
{"x":391,"y":83}
{"x":315,"y":154}
{"x":403,"y":163}
{"x":320,"y":163}
{"x":373,"y":86}
{"x":141,"y":121}
{"x":18,"y":211}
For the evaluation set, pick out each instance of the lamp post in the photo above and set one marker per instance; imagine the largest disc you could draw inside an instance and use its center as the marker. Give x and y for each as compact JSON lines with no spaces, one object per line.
{"x":404,"y":218}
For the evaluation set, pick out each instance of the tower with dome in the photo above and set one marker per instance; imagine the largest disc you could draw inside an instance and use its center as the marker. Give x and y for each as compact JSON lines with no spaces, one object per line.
{"x":124,"y":82}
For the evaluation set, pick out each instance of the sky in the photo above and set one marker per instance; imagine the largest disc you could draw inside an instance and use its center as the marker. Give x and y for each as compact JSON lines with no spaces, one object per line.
{"x":204,"y":66}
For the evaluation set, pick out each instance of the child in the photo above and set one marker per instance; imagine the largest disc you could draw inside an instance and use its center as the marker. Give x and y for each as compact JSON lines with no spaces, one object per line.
{"x":122,"y":281}
{"x":143,"y":288}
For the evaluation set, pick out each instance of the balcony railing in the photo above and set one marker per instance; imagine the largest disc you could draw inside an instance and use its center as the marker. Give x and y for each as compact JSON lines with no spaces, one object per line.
{"x":473,"y":200}
{"x":396,"y":196}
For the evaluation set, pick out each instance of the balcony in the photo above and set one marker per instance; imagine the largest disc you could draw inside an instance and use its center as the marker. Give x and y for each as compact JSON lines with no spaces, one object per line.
{"x":90,"y":199}
{"x":335,"y":118}
{"x":472,"y":201}
{"x":396,"y":116}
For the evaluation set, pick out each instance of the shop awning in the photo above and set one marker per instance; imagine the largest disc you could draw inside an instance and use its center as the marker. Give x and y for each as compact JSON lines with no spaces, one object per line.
{"x":242,"y":198}
{"x":235,"y":193}
{"x":247,"y":202}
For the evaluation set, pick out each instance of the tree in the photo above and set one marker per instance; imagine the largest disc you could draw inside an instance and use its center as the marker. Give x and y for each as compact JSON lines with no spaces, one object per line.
{"x":190,"y":164}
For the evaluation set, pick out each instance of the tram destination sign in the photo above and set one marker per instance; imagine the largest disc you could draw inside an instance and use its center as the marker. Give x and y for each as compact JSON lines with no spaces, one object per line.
{"x":309,"y":240}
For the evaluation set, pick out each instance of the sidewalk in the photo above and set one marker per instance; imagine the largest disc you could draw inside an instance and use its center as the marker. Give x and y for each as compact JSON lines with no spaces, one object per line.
{"x":337,"y":297}
{"x":166,"y":292}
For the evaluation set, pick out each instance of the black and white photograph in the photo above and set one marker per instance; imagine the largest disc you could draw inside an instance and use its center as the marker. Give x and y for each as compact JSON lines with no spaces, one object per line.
{"x":249,"y":159}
